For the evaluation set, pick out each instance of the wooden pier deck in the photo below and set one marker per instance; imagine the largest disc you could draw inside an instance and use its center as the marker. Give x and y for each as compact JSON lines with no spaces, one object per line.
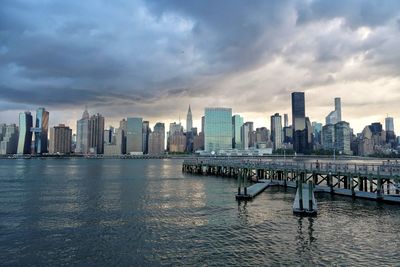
{"x":254,"y":190}
{"x":369,"y":181}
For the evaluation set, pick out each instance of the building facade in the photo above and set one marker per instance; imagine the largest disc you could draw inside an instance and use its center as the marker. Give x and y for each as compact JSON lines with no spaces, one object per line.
{"x":82,"y":134}
{"x":276,"y":131}
{"x":237,"y":122}
{"x":134,"y":135}
{"x":9,"y":143}
{"x":60,"y":139}
{"x":218,"y":129}
{"x":96,"y":134}
{"x":157,"y":139}
{"x":300,"y":135}
{"x":41,"y":131}
{"x":25,"y":133}
{"x":189,"y":120}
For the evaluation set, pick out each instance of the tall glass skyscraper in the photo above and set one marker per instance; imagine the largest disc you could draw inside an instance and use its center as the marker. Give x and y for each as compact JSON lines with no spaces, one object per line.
{"x":41,"y":130}
{"x":25,"y":133}
{"x":218,"y":129}
{"x":300,"y":136}
{"x":134,"y":135}
{"x":237,"y":123}
{"x":276,"y":130}
{"x":82,"y":134}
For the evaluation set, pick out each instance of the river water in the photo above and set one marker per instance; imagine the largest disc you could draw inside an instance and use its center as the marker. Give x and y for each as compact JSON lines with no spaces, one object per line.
{"x":148,"y":213}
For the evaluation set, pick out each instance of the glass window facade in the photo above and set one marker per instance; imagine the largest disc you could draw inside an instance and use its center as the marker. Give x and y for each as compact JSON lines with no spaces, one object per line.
{"x":134,"y":135}
{"x":218,"y":129}
{"x":237,"y":123}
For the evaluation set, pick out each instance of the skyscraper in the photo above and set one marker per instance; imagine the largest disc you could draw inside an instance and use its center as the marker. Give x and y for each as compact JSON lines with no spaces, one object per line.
{"x":389,"y":124}
{"x":9,"y":143}
{"x":300,"y":136}
{"x":134,"y":136}
{"x":123,"y":126}
{"x":276,"y":130}
{"x":146,"y":132}
{"x":25,"y":133}
{"x":189,"y":120}
{"x":342,"y":137}
{"x":157,"y":139}
{"x":237,"y":122}
{"x":41,"y":131}
{"x":336,"y":115}
{"x":60,"y":139}
{"x":245,"y":136}
{"x":286,"y":120}
{"x":328,"y":137}
{"x":82,"y":134}
{"x":218,"y":129}
{"x":96,"y":134}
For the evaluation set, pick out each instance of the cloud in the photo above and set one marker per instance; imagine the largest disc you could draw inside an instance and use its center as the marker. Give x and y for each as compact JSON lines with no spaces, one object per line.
{"x":153,"y":58}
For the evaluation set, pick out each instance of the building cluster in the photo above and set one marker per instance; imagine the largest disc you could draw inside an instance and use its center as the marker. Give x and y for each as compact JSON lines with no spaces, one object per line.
{"x":221,"y":133}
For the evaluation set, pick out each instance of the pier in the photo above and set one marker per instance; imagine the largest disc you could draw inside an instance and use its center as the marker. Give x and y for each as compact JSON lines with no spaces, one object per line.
{"x":378,"y":182}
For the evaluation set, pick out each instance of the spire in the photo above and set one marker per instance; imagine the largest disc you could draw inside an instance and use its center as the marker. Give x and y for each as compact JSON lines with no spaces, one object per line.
{"x":85,"y":114}
{"x":189,"y":110}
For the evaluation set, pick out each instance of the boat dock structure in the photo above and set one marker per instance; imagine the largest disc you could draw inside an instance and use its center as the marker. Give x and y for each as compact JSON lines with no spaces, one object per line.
{"x":379,"y":182}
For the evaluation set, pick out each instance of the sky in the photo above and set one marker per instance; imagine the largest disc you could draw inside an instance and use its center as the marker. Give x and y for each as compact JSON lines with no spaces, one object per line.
{"x":151,"y":59}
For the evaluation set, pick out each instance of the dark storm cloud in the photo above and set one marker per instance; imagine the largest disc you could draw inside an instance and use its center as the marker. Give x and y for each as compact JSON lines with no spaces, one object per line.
{"x":137,"y":55}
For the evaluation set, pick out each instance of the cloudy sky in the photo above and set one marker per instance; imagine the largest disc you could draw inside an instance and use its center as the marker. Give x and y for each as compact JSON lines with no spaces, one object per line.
{"x":153,"y":58}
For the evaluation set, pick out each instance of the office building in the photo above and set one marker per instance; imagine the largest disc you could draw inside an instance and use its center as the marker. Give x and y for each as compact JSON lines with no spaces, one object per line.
{"x":300,"y":135}
{"x":343,"y":137}
{"x":82,"y":134}
{"x":134,"y":136}
{"x":60,"y":140}
{"x":145,"y":132}
{"x":336,"y":115}
{"x":198,"y":142}
{"x":96,"y":134}
{"x":328,"y":137}
{"x":177,"y":142}
{"x":237,"y":122}
{"x":41,"y":131}
{"x":286,"y":120}
{"x":218,"y":129}
{"x":9,"y":143}
{"x":276,"y":130}
{"x":157,"y":139}
{"x":245,"y":136}
{"x":25,"y":133}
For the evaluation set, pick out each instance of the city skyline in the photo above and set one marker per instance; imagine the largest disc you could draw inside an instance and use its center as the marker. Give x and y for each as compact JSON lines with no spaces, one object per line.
{"x":77,"y":58}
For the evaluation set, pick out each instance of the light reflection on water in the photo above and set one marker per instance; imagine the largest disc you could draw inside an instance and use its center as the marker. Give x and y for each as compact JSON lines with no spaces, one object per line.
{"x":146,"y":212}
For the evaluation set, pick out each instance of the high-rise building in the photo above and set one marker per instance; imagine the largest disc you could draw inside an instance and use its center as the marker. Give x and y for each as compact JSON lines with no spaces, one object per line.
{"x":245,"y":136}
{"x":300,"y":135}
{"x":146,"y":132}
{"x":96,"y":134}
{"x":262,"y":135}
{"x":336,"y":115}
{"x":237,"y":122}
{"x":123,"y":126}
{"x":286,"y":120}
{"x":82,"y":134}
{"x":25,"y":133}
{"x":60,"y":139}
{"x":3,"y":127}
{"x":198,"y":142}
{"x":41,"y":131}
{"x":276,"y":130}
{"x":389,"y":124}
{"x":9,"y":143}
{"x":328,"y":136}
{"x":343,"y":137}
{"x":134,"y":136}
{"x":157,"y":139}
{"x":288,"y":135}
{"x":177,"y":142}
{"x":317,"y":134}
{"x":114,"y":145}
{"x":202,"y":124}
{"x":218,"y":129}
{"x":189,"y":120}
